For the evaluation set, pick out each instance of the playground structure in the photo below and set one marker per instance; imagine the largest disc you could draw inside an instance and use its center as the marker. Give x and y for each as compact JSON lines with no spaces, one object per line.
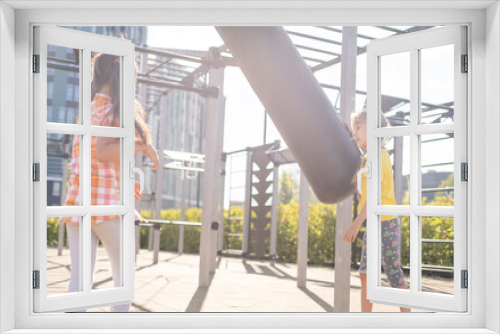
{"x":300,"y":127}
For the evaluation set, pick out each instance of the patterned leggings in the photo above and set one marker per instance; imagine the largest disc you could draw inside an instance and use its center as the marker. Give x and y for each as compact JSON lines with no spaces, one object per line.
{"x":391,"y":253}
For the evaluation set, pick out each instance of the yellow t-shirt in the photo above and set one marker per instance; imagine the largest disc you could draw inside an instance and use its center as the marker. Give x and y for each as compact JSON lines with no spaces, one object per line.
{"x":387,"y":184}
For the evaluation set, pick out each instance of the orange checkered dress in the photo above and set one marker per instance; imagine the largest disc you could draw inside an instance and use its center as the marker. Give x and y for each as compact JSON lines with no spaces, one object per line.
{"x":105,"y":176}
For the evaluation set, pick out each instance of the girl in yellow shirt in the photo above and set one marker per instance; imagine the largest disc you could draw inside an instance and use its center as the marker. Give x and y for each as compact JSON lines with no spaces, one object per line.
{"x":391,"y":226}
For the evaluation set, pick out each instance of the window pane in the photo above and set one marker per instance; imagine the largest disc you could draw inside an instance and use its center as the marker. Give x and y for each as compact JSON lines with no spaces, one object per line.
{"x":106,"y":90}
{"x":63,"y":166}
{"x":395,"y":253}
{"x":437,"y":84}
{"x":105,"y":170}
{"x":437,"y":159}
{"x":63,"y":84}
{"x":107,"y":251}
{"x":395,"y":88}
{"x":395,"y":171}
{"x":437,"y":254}
{"x":63,"y":255}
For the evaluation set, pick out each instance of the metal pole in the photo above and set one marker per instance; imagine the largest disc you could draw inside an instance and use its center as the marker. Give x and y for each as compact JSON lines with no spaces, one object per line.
{"x":162,"y":133}
{"x":303,"y":232}
{"x":246,"y":208}
{"x":274,"y":215}
{"x":220,"y":242}
{"x":153,"y":214}
{"x":344,"y":208}
{"x":180,"y":249}
{"x":211,"y":177}
{"x":137,"y":240}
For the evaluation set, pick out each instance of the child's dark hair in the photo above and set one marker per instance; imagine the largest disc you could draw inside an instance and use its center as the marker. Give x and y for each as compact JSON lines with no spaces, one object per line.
{"x":106,"y":72}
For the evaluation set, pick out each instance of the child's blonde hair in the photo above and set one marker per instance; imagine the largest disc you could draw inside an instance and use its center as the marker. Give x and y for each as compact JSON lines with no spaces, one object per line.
{"x":358,"y":117}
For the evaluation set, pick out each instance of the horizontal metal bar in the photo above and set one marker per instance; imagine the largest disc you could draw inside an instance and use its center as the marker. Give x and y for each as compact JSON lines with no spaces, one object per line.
{"x":434,"y":140}
{"x":63,"y":60}
{"x":430,"y":266}
{"x":173,"y":222}
{"x":201,"y":91}
{"x":316,"y":60}
{"x":390,"y":29}
{"x":235,"y":234}
{"x":95,"y":210}
{"x":437,"y":241}
{"x":170,"y":54}
{"x":425,"y":104}
{"x":319,"y":39}
{"x":438,"y":165}
{"x":304,"y":47}
{"x":435,"y":190}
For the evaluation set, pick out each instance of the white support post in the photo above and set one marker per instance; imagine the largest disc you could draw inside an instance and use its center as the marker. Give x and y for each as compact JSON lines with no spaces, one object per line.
{"x":342,"y":290}
{"x":150,"y":232}
{"x":220,"y":241}
{"x":211,"y":177}
{"x":303,"y":232}
{"x":246,"y":207}
{"x":180,"y":249}
{"x":274,"y":215}
{"x":162,"y":133}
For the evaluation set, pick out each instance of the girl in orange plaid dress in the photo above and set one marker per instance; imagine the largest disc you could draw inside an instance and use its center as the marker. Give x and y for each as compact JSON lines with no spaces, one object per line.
{"x":105,"y":171}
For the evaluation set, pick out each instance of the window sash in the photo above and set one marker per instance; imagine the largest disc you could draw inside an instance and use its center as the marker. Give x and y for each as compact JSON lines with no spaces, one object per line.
{"x":86,"y":43}
{"x":412,"y":297}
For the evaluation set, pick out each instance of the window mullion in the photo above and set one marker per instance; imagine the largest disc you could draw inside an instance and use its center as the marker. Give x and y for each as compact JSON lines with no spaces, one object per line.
{"x":85,"y":175}
{"x":415,"y":172}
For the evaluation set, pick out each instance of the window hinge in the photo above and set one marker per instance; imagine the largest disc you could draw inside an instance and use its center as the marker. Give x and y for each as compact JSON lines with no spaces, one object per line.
{"x":465,"y":171}
{"x":36,"y":172}
{"x":465,"y":64}
{"x":36,"y":63}
{"x":465,"y":279}
{"x":36,"y":279}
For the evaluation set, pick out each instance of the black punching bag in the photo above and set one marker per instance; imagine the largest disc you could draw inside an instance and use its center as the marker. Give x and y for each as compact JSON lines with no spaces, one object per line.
{"x":302,"y":113}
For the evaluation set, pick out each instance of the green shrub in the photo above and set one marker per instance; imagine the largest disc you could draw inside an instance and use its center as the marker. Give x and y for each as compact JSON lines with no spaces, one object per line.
{"x":321,"y":237}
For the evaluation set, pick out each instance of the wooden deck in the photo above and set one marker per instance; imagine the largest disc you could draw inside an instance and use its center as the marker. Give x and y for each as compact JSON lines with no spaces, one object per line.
{"x":237,"y":286}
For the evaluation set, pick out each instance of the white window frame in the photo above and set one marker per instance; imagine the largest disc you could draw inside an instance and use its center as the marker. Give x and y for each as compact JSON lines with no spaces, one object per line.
{"x":412,"y":44}
{"x":86,"y":43}
{"x":484,"y":102}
